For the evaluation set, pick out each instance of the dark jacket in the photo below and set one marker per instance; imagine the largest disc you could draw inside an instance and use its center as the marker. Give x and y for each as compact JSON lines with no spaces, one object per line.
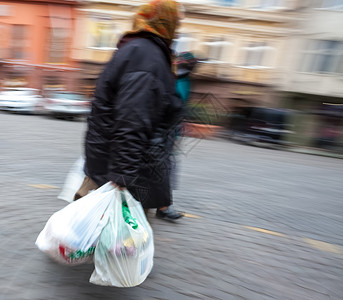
{"x":131,"y":128}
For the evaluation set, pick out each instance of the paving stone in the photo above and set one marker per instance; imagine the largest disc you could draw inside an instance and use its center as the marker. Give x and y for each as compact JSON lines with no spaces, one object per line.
{"x":228,"y":185}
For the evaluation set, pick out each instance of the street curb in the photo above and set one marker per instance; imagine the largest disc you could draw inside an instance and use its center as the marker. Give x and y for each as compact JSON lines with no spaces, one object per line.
{"x":292,"y":149}
{"x":316,"y":152}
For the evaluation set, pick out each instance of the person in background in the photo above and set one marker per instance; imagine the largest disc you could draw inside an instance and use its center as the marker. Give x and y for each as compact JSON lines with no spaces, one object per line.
{"x":136,"y":111}
{"x":185,"y":63}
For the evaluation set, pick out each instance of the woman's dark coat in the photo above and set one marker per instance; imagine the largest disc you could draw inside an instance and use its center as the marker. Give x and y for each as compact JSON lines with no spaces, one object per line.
{"x":132,"y":125}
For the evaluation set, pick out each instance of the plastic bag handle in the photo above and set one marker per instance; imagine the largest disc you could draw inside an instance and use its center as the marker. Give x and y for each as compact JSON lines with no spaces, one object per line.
{"x":122,"y":196}
{"x":126,"y":213}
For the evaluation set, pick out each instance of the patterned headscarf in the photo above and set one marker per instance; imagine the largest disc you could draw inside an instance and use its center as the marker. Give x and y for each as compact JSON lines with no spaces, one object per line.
{"x":160,"y":17}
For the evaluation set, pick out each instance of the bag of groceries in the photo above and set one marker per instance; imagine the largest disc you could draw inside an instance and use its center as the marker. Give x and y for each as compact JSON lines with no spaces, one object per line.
{"x":72,"y":233}
{"x":124,"y":253}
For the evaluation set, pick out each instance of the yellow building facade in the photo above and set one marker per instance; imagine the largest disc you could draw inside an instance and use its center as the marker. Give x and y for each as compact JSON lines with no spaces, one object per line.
{"x":98,"y":29}
{"x":240,"y":44}
{"x":241,"y":48}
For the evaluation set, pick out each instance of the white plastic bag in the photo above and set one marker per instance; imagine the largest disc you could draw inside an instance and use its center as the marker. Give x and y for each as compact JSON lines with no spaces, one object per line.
{"x":73,"y":181}
{"x":124,"y":254}
{"x":71,"y":234}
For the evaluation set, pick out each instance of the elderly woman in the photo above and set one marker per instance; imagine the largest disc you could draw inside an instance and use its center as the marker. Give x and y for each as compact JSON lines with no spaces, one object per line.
{"x":135,"y":112}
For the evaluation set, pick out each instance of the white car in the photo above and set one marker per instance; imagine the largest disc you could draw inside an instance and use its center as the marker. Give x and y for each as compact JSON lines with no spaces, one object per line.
{"x":24,"y":100}
{"x":67,"y":105}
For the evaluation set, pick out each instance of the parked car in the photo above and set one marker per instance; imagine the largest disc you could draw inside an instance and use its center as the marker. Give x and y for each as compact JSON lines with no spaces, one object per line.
{"x":25,"y":100}
{"x":67,"y":105}
{"x":260,"y":124}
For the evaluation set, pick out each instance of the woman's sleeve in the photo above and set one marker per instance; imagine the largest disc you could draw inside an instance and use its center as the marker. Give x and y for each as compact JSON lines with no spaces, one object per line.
{"x":136,"y":108}
{"x":100,"y":125}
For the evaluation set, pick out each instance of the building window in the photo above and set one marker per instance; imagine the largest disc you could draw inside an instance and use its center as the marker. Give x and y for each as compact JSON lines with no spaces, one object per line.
{"x":323,"y":56}
{"x":216,"y":49}
{"x":103,"y":33}
{"x":270,"y":4}
{"x":228,"y":2}
{"x":183,"y":43}
{"x":18,"y":43}
{"x":332,"y":4}
{"x":5,"y":10}
{"x":4,"y":47}
{"x":57,"y":45}
{"x":256,"y":54}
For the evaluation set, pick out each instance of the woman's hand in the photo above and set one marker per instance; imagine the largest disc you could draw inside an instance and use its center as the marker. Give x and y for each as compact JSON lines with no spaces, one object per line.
{"x":120,"y":188}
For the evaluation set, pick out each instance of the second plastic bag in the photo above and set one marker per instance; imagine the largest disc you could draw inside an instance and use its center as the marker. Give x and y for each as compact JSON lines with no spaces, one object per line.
{"x":124,"y":254}
{"x":73,"y":181}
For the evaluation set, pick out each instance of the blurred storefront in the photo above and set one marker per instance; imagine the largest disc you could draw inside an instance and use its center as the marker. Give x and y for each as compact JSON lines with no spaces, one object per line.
{"x":227,"y":95}
{"x":15,"y":75}
{"x":318,"y":121}
{"x":35,"y":48}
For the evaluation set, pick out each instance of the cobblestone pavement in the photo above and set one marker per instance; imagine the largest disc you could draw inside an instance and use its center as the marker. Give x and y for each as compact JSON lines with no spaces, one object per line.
{"x":262,"y":224}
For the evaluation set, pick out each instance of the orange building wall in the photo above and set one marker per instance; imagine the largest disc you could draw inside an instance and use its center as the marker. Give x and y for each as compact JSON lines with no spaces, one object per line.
{"x":37,"y":17}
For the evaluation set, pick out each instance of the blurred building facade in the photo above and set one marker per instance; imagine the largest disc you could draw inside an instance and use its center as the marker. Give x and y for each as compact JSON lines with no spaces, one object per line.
{"x":240,"y":43}
{"x":271,"y":53}
{"x":99,"y":25}
{"x":313,"y":76}
{"x":35,"y":44}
